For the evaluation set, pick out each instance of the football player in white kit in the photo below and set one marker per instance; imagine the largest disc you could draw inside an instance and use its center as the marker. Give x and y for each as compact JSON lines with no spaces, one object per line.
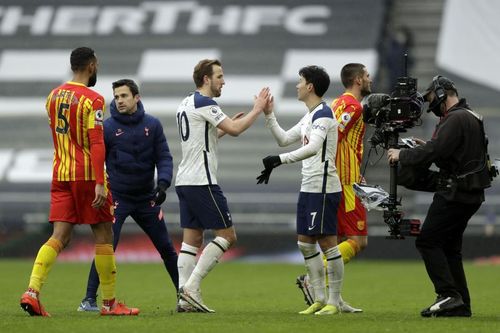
{"x":201,"y":122}
{"x":320,"y":190}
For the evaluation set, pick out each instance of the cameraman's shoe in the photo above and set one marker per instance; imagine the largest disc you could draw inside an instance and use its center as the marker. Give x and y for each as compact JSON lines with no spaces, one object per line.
{"x":461,"y":311}
{"x":442,"y":304}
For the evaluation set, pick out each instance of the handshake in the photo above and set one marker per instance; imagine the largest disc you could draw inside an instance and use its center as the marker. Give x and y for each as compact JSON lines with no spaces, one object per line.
{"x":270,"y":162}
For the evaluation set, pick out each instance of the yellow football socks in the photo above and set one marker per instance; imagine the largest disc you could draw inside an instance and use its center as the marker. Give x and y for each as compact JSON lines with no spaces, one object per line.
{"x":348,"y":249}
{"x":43,"y":263}
{"x":106,"y":269}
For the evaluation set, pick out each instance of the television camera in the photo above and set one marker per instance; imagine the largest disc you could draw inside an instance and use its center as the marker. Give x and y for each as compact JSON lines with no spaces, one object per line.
{"x":390,"y":115}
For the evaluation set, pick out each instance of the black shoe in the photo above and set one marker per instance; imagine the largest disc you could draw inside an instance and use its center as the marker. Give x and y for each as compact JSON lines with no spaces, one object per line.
{"x":442,"y":304}
{"x":461,"y":311}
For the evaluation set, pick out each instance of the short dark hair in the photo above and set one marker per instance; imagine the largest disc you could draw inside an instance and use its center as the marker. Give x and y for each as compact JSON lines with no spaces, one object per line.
{"x":318,"y":77}
{"x":81,"y":57}
{"x":441,"y":82}
{"x":349,"y":72}
{"x":204,"y":67}
{"x":134,"y":88}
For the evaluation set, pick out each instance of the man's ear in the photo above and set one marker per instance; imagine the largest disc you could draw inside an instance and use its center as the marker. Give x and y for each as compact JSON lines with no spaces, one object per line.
{"x":358,"y":79}
{"x":205,"y":79}
{"x":91,"y":67}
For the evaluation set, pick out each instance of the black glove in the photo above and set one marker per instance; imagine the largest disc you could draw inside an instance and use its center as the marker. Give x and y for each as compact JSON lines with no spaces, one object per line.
{"x":270,"y":162}
{"x":160,"y":194}
{"x":264,"y":176}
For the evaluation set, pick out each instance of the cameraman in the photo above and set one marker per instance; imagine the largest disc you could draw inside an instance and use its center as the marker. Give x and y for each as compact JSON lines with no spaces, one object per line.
{"x":458,"y":149}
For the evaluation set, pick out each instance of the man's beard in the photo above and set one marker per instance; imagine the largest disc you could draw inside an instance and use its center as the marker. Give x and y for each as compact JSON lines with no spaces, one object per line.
{"x":215,"y":92}
{"x":365,"y":92}
{"x":92,"y":80}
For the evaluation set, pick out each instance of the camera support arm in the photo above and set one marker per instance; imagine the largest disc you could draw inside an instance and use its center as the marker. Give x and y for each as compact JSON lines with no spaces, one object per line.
{"x":393,"y":216}
{"x":392,"y":142}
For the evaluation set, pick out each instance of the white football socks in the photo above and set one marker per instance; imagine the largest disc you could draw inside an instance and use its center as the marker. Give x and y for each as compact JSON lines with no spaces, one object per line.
{"x":208,"y":259}
{"x":315,"y":269}
{"x":186,"y":262}
{"x":335,"y":271}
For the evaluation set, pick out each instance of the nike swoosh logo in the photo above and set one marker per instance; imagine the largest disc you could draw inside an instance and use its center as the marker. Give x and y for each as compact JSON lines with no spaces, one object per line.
{"x":437,"y":306}
{"x":311,"y":228}
{"x":118,"y":134}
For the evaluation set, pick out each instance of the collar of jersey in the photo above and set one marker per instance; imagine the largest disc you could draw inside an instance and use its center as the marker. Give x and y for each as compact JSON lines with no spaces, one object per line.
{"x":76,"y":83}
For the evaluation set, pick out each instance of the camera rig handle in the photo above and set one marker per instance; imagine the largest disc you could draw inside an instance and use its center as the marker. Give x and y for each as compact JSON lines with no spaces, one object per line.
{"x":393,"y":216}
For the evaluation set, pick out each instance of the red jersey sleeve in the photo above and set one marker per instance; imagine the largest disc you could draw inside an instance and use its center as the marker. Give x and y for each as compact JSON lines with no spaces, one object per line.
{"x":349,"y":117}
{"x":96,"y":139}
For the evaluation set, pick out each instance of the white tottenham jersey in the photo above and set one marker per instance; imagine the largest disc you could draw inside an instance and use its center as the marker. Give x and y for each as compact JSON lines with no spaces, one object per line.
{"x":197,"y":120}
{"x":317,"y":131}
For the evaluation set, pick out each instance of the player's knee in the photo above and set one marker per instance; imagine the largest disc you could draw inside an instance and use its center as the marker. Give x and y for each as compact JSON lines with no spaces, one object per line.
{"x":103,"y":233}
{"x":358,"y":243}
{"x":363,"y":243}
{"x":63,"y":238}
{"x":228,"y":234}
{"x":231,"y":239}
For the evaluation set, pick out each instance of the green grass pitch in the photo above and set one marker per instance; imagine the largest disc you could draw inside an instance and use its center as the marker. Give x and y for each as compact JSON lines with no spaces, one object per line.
{"x":249,"y":298}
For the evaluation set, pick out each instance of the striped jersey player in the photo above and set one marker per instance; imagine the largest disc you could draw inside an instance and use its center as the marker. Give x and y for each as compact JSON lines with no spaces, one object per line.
{"x":76,"y":115}
{"x":78,"y":193}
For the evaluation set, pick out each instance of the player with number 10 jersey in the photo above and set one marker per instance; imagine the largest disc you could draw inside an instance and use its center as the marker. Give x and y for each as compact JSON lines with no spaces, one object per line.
{"x":197,"y":119}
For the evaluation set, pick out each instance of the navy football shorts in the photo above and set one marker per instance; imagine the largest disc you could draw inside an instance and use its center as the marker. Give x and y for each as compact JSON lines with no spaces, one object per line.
{"x":203,"y":207}
{"x":317,"y":213}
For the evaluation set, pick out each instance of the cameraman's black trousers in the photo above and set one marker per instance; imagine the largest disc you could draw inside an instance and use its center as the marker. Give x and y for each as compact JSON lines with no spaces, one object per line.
{"x":440,"y":244}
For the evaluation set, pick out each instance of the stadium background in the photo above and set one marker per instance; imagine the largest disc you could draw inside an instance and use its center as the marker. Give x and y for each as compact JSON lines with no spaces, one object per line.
{"x":260,"y":43}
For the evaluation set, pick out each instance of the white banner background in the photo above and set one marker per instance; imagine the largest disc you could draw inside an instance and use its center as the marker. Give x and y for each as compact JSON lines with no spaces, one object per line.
{"x":469,"y":41}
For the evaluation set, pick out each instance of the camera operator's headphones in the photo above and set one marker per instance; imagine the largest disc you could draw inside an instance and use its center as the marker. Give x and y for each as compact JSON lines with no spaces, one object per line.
{"x":438,"y":89}
{"x":440,"y":93}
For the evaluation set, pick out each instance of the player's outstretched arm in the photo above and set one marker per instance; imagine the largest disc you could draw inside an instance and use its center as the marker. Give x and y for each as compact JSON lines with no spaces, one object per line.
{"x":221,"y":133}
{"x":238,"y":126}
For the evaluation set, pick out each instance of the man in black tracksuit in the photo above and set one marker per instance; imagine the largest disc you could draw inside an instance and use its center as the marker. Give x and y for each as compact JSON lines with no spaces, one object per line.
{"x":458,"y":149}
{"x":135,"y":147}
